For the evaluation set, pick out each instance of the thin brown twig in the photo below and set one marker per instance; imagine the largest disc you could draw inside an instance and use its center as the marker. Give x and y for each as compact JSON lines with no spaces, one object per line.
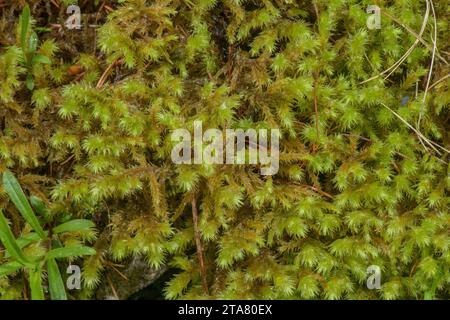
{"x":315,"y":189}
{"x":397,"y":64}
{"x":418,"y":37}
{"x":112,"y":288}
{"x":422,"y":138}
{"x":67,"y":160}
{"x":105,"y":74}
{"x":198,"y":243}
{"x":56,"y":4}
{"x":316,"y":10}
{"x":430,"y":72}
{"x":438,"y":81}
{"x":118,"y":272}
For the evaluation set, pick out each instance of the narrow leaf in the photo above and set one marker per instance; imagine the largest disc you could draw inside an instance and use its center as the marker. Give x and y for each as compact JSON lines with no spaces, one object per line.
{"x":30,"y":82}
{"x":17,"y":196}
{"x":41,"y":59}
{"x":24,"y":26}
{"x":69,"y":252}
{"x":8,"y":240}
{"x":74,"y":225}
{"x":55,"y":282}
{"x":37,"y":291}
{"x":27,"y":239}
{"x":39,"y":206}
{"x":24,"y":241}
{"x":9,"y":268}
{"x":33,"y":42}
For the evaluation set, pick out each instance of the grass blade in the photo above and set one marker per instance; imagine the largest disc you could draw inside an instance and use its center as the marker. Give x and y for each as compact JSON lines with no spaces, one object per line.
{"x":24,"y":27}
{"x":70,"y":252}
{"x":8,"y":240}
{"x":55,"y":282}
{"x":37,"y":291}
{"x":41,"y":210}
{"x":17,"y":196}
{"x":33,"y":42}
{"x":9,"y":268}
{"x":39,"y":58}
{"x":24,"y":241}
{"x":74,"y":225}
{"x":39,"y":206}
{"x":30,"y":82}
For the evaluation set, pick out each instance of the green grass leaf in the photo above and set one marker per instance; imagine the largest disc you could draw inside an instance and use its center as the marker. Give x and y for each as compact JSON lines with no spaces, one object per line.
{"x":30,"y":82}
{"x":17,"y":196}
{"x":24,"y":27}
{"x":9,"y":268}
{"x":33,"y":42}
{"x":8,"y":240}
{"x":37,"y":291}
{"x":39,"y":58}
{"x":55,"y":282}
{"x":70,"y":252}
{"x":74,"y":225}
{"x":39,"y":206}
{"x":25,"y":241}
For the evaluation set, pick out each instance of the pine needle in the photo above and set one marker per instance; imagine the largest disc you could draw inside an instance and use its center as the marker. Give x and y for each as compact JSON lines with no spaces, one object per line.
{"x":422,"y":138}
{"x":407,"y":53}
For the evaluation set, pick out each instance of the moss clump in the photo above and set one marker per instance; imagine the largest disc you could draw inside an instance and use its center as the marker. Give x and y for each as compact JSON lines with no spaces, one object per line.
{"x":364,"y":149}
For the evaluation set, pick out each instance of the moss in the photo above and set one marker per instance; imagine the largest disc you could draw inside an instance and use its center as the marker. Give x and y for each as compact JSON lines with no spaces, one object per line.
{"x":363,"y":176}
